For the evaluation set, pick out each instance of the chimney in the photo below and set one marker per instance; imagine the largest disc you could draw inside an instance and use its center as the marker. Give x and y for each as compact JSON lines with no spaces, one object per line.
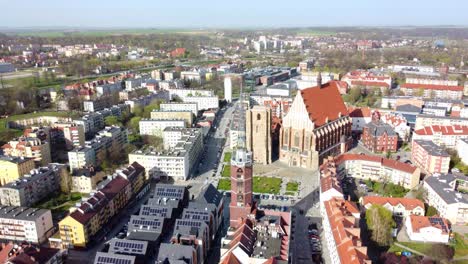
{"x":319,"y":80}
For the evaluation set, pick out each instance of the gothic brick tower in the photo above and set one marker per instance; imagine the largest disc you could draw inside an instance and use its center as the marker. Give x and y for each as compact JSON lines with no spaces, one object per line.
{"x":241,"y":187}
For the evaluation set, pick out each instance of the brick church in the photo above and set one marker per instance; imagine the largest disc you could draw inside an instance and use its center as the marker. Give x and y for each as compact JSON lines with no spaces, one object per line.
{"x":316,"y":126}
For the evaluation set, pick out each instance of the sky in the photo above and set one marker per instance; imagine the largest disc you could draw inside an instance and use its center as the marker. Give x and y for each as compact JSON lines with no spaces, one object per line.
{"x":229,"y":14}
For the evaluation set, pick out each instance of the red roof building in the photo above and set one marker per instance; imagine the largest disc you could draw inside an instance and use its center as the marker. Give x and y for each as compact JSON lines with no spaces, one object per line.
{"x":433,"y":90}
{"x":341,"y":224}
{"x":178,"y":52}
{"x":316,"y":126}
{"x":402,"y":207}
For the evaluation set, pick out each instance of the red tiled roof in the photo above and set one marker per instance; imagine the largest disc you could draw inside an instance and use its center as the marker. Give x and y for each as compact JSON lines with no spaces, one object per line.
{"x":383,"y":161}
{"x":419,"y":221}
{"x":359,"y":111}
{"x":328,"y":183}
{"x":323,"y":103}
{"x":345,"y":231}
{"x":408,"y":203}
{"x":432,"y":87}
{"x":444,"y":130}
{"x":99,"y":200}
{"x":230,"y":259}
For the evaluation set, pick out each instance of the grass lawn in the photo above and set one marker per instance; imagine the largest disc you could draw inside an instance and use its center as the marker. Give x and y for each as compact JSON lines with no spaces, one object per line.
{"x":226,"y":171}
{"x":395,"y":248}
{"x":224,"y":184}
{"x":289,"y":193}
{"x":266,"y":185}
{"x":420,"y":247}
{"x":61,"y":202}
{"x":292,"y":186}
{"x":227,"y":157}
{"x":460,"y":245}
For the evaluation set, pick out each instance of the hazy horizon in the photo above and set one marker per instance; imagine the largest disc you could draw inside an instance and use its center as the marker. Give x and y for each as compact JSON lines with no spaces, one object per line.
{"x":208,"y":14}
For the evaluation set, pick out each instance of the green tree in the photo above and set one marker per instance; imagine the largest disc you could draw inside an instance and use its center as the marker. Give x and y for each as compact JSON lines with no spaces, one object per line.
{"x":431,"y":211}
{"x":380,"y":221}
{"x":134,"y":123}
{"x":154,"y":141}
{"x":112,"y":121}
{"x":355,"y":94}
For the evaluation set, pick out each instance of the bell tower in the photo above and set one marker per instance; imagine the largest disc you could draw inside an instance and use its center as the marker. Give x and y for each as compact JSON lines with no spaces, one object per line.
{"x":241,"y":187}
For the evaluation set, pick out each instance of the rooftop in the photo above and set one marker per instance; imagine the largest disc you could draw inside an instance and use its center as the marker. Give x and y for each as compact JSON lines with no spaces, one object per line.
{"x":175,"y":252}
{"x":379,"y":128}
{"x":444,"y":186}
{"x":324,"y":103}
{"x":431,"y":148}
{"x":419,"y":222}
{"x":110,"y":258}
{"x":443,"y":130}
{"x":130,"y":247}
{"x":408,"y":203}
{"x":383,"y":161}
{"x":21,"y":213}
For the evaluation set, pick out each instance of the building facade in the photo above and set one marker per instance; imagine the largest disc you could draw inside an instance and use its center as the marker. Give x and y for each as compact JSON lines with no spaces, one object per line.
{"x":444,"y":136}
{"x":379,"y":137}
{"x":25,"y":224}
{"x":317,"y":125}
{"x":12,"y":168}
{"x":258,"y":134}
{"x":29,"y":147}
{"x":378,"y":169}
{"x":186,"y":106}
{"x":33,"y":187}
{"x":430,"y":157}
{"x":173,"y":115}
{"x":155,"y":127}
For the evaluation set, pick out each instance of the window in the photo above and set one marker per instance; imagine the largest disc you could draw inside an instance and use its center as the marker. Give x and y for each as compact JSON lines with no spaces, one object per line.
{"x":259,"y":117}
{"x":296,"y":139}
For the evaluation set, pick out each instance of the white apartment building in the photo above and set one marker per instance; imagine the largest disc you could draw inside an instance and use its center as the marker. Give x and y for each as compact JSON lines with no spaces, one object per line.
{"x":186,"y":106}
{"x":443,"y":194}
{"x":430,"y":120}
{"x":378,"y":169}
{"x":81,"y":157}
{"x":25,"y":224}
{"x":203,"y":102}
{"x":198,"y":76}
{"x":228,"y":89}
{"x":445,"y":136}
{"x":155,"y":127}
{"x":462,"y":149}
{"x":175,"y":162}
{"x":184,"y":93}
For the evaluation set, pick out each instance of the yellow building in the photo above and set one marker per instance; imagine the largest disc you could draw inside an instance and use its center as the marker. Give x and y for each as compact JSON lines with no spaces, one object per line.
{"x":78,"y":228}
{"x":12,"y":168}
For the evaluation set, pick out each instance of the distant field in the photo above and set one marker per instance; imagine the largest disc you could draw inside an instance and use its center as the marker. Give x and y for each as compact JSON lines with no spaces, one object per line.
{"x":63,"y":33}
{"x":314,"y":32}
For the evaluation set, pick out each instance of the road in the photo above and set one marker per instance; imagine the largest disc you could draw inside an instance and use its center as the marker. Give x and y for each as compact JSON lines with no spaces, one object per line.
{"x":210,"y":165}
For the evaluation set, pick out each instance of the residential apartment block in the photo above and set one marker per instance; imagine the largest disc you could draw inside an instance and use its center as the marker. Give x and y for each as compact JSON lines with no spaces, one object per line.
{"x":203,"y":102}
{"x":185,"y":106}
{"x":79,"y":227}
{"x":444,"y":195}
{"x":33,"y":187}
{"x":433,"y":90}
{"x":155,"y":127}
{"x":342,"y":233}
{"x":187,"y":116}
{"x":378,"y":169}
{"x":25,"y":224}
{"x":29,"y":147}
{"x":444,"y":136}
{"x":430,"y":157}
{"x":430,"y":120}
{"x":462,"y":149}
{"x":174,"y":162}
{"x":360,"y":117}
{"x":12,"y":168}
